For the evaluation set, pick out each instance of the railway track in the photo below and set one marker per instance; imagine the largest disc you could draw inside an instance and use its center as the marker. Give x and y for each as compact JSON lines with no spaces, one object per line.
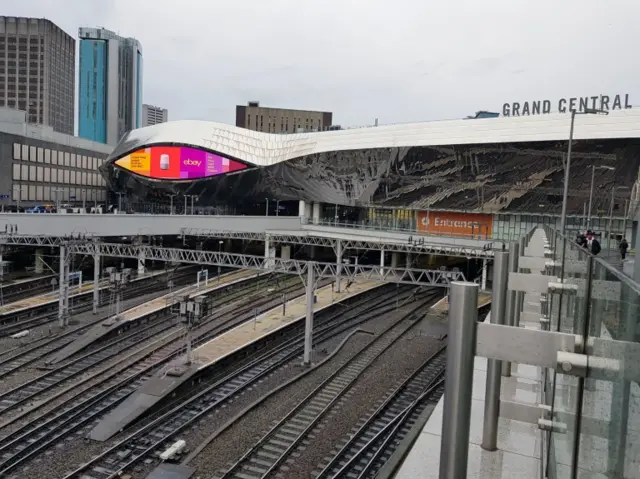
{"x":35,"y":435}
{"x":91,"y":359}
{"x":12,"y":324}
{"x":371,"y":445}
{"x":140,"y":444}
{"x":24,"y":356}
{"x":276,"y":445}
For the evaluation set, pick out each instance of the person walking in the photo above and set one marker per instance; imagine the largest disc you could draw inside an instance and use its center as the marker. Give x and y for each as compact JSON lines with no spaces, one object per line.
{"x":593,"y":245}
{"x":624,"y":246}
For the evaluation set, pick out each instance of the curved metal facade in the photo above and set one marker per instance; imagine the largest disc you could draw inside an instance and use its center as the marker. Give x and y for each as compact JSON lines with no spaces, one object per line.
{"x":439,"y":165}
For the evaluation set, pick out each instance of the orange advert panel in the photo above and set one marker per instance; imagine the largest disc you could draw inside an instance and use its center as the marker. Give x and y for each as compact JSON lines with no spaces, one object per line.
{"x":455,"y":224}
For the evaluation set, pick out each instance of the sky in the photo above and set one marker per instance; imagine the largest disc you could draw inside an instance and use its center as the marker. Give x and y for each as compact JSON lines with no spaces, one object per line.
{"x":395,"y":60}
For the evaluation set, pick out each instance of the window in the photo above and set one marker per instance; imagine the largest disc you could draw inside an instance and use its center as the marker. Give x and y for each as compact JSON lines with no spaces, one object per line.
{"x":23,"y":192}
{"x":54,"y":157}
{"x":24,"y":176}
{"x":47,"y":155}
{"x":16,"y":151}
{"x":54,"y":175}
{"x":47,"y":175}
{"x":73,"y":160}
{"x":66,"y":177}
{"x":72,"y":177}
{"x":95,"y":164}
{"x":67,"y":158}
{"x":40,"y":155}
{"x":84,"y":162}
{"x":16,"y":191}
{"x":40,"y":174}
{"x":16,"y":171}
{"x":84,"y":178}
{"x":47,"y":193}
{"x":39,"y":193}
{"x":32,"y":173}
{"x":32,"y":192}
{"x":32,"y":153}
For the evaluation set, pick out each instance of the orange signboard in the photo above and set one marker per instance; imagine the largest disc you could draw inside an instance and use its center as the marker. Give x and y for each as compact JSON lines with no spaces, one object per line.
{"x":472,"y":225}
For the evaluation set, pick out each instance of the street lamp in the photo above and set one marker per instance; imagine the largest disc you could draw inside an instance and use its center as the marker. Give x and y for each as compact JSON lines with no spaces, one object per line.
{"x":613,"y":192}
{"x":587,"y":111}
{"x":266,"y":212}
{"x":220,"y":243}
{"x":593,"y":176}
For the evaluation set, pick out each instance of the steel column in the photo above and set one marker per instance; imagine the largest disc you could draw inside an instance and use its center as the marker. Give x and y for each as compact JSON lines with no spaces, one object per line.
{"x":514,"y":253}
{"x":494,"y":366}
{"x":96,"y":282}
{"x":308,"y":325}
{"x":463,"y":316}
{"x":338,"y":264}
{"x":63,"y":280}
{"x":484,"y":274}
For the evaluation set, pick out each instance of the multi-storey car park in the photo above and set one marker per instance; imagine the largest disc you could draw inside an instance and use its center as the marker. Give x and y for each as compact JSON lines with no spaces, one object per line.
{"x":251,"y":374}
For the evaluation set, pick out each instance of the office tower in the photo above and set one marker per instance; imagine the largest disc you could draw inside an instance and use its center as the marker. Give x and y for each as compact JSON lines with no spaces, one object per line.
{"x":110,"y":85}
{"x":152,"y":115}
{"x":281,"y":120}
{"x":37,"y":63}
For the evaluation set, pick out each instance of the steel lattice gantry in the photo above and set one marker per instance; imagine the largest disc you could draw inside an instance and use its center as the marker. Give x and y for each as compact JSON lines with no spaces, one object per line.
{"x":385,"y":274}
{"x":417,"y":245}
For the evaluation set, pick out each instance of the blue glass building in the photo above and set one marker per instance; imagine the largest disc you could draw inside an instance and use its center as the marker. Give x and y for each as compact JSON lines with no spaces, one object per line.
{"x":110,"y":85}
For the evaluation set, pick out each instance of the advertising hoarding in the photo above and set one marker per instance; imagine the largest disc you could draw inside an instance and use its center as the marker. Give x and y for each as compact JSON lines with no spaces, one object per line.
{"x":177,"y":163}
{"x":472,"y":225}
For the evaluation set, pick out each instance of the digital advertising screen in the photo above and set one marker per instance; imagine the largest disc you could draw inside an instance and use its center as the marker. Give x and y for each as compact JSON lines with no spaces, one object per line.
{"x":177,"y":163}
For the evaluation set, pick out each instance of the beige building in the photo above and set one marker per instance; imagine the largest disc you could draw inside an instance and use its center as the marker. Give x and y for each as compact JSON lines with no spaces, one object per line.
{"x":37,"y":71}
{"x":281,"y":120}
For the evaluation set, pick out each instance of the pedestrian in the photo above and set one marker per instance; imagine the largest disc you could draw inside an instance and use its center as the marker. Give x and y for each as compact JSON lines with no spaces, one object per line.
{"x":624,"y":246}
{"x":581,"y":240}
{"x":593,"y":245}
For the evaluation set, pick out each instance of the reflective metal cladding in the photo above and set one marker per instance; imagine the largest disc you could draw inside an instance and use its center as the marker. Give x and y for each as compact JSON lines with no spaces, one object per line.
{"x":491,"y":165}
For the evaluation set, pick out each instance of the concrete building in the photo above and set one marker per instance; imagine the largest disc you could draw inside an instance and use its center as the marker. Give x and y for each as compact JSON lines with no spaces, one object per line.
{"x":152,"y":115}
{"x":37,"y":71}
{"x":110,"y":85}
{"x":281,"y":120}
{"x":43,"y":166}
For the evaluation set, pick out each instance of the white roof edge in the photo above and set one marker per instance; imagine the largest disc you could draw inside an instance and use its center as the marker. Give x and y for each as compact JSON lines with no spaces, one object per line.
{"x":265,"y":149}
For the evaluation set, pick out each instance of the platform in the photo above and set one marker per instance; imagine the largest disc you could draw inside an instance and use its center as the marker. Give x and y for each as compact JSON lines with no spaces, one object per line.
{"x":165,"y":382}
{"x":442,"y":306}
{"x":52,"y":297}
{"x":150,"y":307}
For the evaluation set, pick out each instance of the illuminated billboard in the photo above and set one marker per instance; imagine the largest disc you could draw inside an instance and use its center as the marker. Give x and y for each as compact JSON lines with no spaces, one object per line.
{"x":177,"y":163}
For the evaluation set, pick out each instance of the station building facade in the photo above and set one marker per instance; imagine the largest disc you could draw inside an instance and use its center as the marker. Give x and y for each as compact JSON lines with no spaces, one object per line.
{"x":396,"y":174}
{"x":41,"y":166}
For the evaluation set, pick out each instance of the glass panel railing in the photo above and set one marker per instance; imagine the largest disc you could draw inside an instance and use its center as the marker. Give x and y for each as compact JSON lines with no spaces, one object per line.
{"x":610,"y":432}
{"x":597,"y":418}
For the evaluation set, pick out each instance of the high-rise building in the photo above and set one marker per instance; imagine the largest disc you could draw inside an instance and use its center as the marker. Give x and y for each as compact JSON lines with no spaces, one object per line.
{"x":37,"y":65}
{"x":110,"y":85}
{"x":152,"y":115}
{"x":281,"y":120}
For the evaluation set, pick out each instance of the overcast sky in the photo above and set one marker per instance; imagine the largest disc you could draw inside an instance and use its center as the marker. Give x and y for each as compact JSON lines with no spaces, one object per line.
{"x":396,"y":60}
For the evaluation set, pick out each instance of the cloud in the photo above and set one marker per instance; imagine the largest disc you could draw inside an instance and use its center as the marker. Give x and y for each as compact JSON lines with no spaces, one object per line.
{"x":405,"y":60}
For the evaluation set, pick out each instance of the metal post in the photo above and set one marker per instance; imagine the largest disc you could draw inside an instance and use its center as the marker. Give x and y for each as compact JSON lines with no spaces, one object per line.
{"x":171,"y":207}
{"x":338,"y":264}
{"x":567,"y":166}
{"x":266,"y":211}
{"x":514,"y":253}
{"x":593,"y":176}
{"x":613,"y":192}
{"x":627,"y":206}
{"x":62,"y":284}
{"x":185,"y":205}
{"x":461,"y":347}
{"x":519,"y":294}
{"x":484,"y":275}
{"x":96,"y":282}
{"x":382,"y":262}
{"x":492,"y":394}
{"x":308,"y":325}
